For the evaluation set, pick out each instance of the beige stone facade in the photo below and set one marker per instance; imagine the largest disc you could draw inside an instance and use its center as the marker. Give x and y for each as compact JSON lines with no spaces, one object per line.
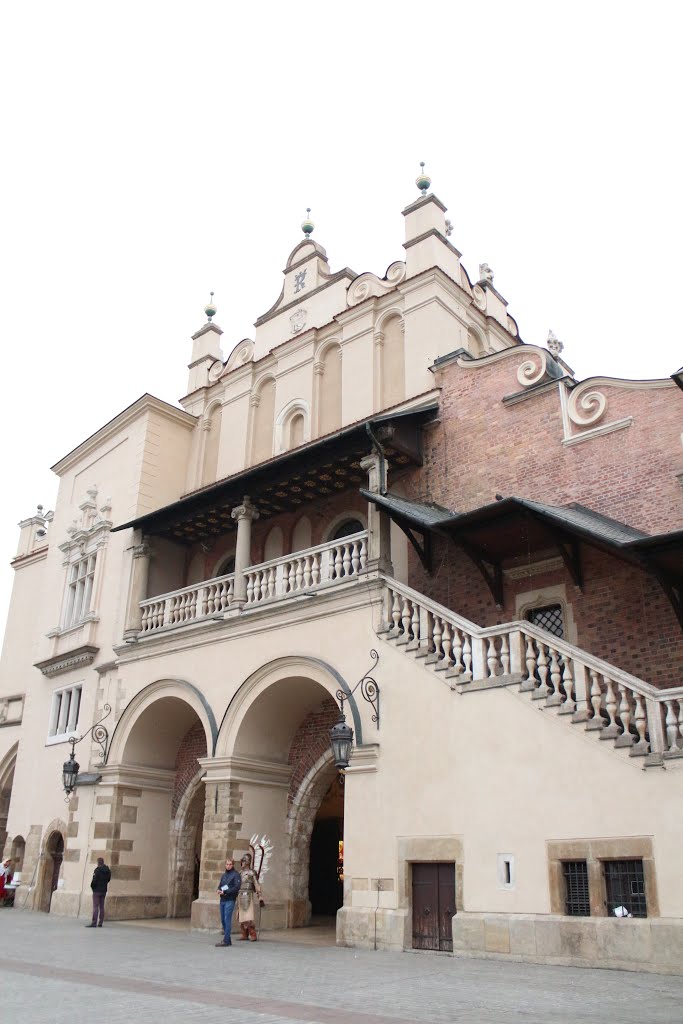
{"x":214,"y":578}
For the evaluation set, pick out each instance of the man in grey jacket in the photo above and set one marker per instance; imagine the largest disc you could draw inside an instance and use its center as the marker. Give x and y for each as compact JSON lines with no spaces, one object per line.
{"x":228,"y":887}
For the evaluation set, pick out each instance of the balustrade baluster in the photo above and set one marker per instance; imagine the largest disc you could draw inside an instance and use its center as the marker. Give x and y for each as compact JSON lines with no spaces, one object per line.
{"x":363,"y":553}
{"x":355,"y":557}
{"x":308,"y":576}
{"x":406,"y":619}
{"x":531,"y":682}
{"x":447,"y":645}
{"x":338,"y":565}
{"x":611,"y":730}
{"x":347,"y":559}
{"x":299,"y":574}
{"x":456,"y":654}
{"x":315,"y":569}
{"x":671,"y":726}
{"x":597,"y":721}
{"x":642,"y":746}
{"x":542,"y":690}
{"x":569,"y":703}
{"x":492,"y":662}
{"x":626,"y":738}
{"x":505,"y":654}
{"x":414,"y":627}
{"x":271,"y":574}
{"x":437,"y":652}
{"x":680,"y":722}
{"x":395,"y":614}
{"x":555,"y":697}
{"x":466,"y":677}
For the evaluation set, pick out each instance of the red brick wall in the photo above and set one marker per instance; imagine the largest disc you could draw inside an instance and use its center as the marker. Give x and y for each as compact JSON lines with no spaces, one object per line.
{"x":482,"y":447}
{"x":192,"y":746}
{"x":311,"y":741}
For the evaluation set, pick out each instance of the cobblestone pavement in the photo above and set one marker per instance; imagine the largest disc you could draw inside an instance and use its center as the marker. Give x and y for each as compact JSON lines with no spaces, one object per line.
{"x":53,"y":969}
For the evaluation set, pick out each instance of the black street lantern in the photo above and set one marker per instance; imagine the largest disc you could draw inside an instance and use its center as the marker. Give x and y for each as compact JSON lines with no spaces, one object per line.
{"x":341,"y":738}
{"x":70,"y":772}
{"x":71,"y":767}
{"x":341,"y":734}
{"x":677,"y":378}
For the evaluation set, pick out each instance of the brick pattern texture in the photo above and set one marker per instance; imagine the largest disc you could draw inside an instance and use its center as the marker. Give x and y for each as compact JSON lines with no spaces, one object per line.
{"x":192,"y":746}
{"x":310,"y":742}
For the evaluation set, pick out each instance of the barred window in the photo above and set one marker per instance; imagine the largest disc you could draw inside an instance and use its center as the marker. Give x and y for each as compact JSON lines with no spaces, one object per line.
{"x":625,"y":885}
{"x":79,"y":590}
{"x":577,"y":898}
{"x":550,"y":618}
{"x":66,"y":706}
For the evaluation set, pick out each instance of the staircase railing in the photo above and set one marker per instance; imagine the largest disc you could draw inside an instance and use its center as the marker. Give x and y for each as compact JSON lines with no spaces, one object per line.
{"x":611,"y":702}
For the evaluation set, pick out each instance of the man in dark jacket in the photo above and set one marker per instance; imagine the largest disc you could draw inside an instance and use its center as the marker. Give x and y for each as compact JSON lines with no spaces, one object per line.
{"x":228,"y":887}
{"x":100,"y":880}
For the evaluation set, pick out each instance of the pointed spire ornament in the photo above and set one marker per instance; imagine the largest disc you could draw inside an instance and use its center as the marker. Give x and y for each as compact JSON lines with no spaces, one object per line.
{"x":423,"y":181}
{"x":210,"y":309}
{"x":307,"y":225}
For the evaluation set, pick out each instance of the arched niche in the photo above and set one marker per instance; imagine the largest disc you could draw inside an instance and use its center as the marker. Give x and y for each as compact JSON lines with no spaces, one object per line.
{"x":330,"y":389}
{"x":212,"y":427}
{"x":274,"y":545}
{"x":301,"y":534}
{"x":392,"y":363}
{"x":263,"y":421}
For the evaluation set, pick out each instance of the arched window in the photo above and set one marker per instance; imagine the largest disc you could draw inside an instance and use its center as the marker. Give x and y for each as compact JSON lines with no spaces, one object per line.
{"x":264,"y":412}
{"x":393,"y":372}
{"x":330,"y":391}
{"x":347,"y":528}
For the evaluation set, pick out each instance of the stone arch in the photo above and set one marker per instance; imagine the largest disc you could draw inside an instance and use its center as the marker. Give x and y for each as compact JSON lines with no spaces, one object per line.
{"x":340,"y":519}
{"x":312,"y":670}
{"x":182,"y":846}
{"x":285,"y":425}
{"x":299,"y":828}
{"x":162,"y":690}
{"x":50,"y":862}
{"x":389,"y":336}
{"x":476,"y":341}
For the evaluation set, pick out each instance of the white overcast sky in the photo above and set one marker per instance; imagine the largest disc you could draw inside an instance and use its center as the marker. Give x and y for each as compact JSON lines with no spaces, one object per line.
{"x":154,"y":151}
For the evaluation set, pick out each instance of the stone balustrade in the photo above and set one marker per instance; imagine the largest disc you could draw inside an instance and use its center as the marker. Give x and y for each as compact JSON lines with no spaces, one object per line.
{"x":614,"y":704}
{"x":334,"y":562}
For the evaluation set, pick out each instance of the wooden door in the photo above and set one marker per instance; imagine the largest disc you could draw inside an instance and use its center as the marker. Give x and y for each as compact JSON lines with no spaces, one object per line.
{"x":433,"y":906}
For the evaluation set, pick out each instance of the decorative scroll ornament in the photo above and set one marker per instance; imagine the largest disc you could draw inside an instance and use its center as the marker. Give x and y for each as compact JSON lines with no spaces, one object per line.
{"x":261,"y":850}
{"x":368,"y":688}
{"x":479,"y":296}
{"x":99,"y":732}
{"x":530,"y":372}
{"x":586,"y":407}
{"x":370,"y":285}
{"x":298,"y":321}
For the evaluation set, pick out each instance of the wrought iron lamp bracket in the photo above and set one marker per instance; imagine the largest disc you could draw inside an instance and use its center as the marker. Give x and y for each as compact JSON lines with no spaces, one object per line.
{"x":369,"y":689}
{"x":100,"y":735}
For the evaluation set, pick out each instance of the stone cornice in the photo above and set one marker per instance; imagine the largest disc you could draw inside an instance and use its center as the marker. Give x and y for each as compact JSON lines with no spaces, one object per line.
{"x":137,"y":777}
{"x":77,"y":658}
{"x":34,"y":556}
{"x":147,"y":403}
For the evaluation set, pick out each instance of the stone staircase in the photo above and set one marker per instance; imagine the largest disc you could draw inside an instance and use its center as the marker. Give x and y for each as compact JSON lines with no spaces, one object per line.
{"x":633,"y":715}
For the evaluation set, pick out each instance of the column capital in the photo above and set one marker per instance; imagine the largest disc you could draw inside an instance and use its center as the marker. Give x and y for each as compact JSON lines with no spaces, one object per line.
{"x":245,"y":511}
{"x":142,"y":550}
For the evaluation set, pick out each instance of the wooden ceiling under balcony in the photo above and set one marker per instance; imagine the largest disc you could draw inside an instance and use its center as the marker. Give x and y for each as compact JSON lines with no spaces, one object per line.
{"x":312,"y":472}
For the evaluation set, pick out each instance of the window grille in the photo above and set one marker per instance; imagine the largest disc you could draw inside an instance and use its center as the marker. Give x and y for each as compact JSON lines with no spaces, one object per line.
{"x":625,"y":885}
{"x":66,"y":706}
{"x":549,"y":617}
{"x":577,"y":898}
{"x":79,"y":593}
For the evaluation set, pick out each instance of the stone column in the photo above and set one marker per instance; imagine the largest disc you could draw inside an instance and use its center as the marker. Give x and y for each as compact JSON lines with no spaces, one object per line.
{"x":245,"y":514}
{"x":137,"y":588}
{"x":379,"y":524}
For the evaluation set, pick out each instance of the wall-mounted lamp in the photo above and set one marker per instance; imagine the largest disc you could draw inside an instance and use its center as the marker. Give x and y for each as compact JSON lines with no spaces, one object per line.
{"x":341,"y":734}
{"x":71,"y":767}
